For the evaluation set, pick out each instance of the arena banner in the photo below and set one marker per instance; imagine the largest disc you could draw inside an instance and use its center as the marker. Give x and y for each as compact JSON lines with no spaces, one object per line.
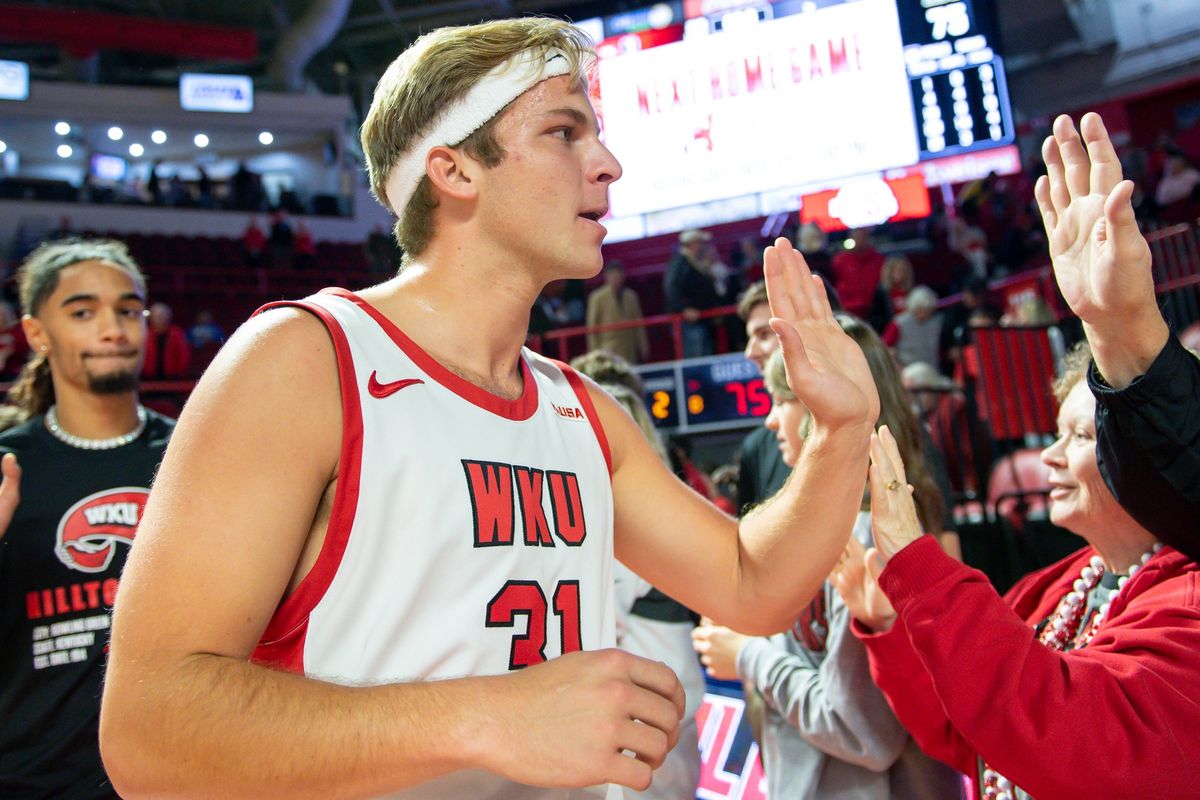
{"x":730,"y":768}
{"x":789,"y":102}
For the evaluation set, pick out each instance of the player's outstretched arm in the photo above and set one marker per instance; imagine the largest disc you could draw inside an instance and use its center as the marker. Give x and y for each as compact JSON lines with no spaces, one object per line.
{"x":755,"y":578}
{"x":1101,"y":260}
{"x":185,"y":713}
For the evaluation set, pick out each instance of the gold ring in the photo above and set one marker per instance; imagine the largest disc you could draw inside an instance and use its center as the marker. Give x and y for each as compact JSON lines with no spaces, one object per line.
{"x":893,"y":485}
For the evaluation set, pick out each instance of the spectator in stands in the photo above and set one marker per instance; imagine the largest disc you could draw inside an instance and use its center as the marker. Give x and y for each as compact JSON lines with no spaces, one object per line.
{"x":304,"y":249}
{"x":247,"y":189}
{"x":383,"y":257}
{"x":812,"y":242}
{"x":615,"y":302}
{"x":856,"y":272}
{"x":574,"y":301}
{"x":204,"y":188}
{"x":925,"y":385}
{"x":650,"y":624}
{"x":974,"y":310}
{"x":1062,"y":687}
{"x":1146,"y":384}
{"x":1177,"y":188}
{"x":254,"y":242}
{"x":205,"y":331}
{"x":915,"y":334}
{"x":761,"y":470}
{"x":891,"y":295}
{"x":280,"y":241}
{"x":690,"y":289}
{"x":1021,"y":240}
{"x":168,"y":354}
{"x":13,"y":347}
{"x":746,"y":260}
{"x":828,"y":731}
{"x":154,"y":183}
{"x":965,"y":237}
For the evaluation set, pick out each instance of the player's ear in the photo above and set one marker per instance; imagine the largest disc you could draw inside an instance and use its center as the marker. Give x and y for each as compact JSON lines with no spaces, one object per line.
{"x":35,"y":333}
{"x":450,"y":172}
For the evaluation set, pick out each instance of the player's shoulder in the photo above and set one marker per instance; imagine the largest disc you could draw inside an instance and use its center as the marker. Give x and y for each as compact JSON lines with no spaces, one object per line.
{"x":274,"y":344}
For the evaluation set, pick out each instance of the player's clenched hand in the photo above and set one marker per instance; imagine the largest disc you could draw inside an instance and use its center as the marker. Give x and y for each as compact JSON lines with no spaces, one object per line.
{"x":825,"y":368}
{"x":585,"y":719}
{"x":10,"y":490}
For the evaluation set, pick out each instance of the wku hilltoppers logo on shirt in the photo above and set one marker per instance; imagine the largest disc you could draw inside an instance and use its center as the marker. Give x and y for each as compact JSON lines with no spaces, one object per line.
{"x":90,"y":530}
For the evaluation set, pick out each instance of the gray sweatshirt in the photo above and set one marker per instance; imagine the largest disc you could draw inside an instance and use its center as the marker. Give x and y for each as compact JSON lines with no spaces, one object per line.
{"x":828,"y":731}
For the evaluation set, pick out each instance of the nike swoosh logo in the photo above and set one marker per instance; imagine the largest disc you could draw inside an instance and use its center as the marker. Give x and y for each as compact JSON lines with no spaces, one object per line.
{"x":382,"y":390}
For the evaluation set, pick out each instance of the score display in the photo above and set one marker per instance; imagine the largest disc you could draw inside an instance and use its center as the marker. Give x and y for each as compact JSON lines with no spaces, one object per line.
{"x":955,"y":77}
{"x":705,"y":394}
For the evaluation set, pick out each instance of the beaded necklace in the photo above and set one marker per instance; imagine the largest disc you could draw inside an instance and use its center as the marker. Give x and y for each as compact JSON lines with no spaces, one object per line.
{"x":1060,"y":630}
{"x":66,"y":437}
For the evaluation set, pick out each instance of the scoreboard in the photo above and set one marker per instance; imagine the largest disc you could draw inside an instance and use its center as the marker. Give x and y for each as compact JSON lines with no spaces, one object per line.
{"x":705,"y":394}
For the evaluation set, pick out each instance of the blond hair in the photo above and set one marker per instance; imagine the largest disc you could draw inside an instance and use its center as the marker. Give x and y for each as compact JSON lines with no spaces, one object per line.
{"x":438,"y":69}
{"x":1072,"y":369}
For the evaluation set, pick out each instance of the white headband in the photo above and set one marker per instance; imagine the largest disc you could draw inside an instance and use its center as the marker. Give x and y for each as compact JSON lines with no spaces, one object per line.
{"x":500,"y":86}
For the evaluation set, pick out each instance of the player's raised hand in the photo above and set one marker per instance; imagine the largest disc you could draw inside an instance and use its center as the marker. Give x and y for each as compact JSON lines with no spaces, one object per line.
{"x":10,"y":490}
{"x":575,"y":720}
{"x":825,"y":368}
{"x":856,"y":579}
{"x":1101,"y":260}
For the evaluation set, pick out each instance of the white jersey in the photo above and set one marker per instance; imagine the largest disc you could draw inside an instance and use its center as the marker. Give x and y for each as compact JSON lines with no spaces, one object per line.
{"x":469,"y":535}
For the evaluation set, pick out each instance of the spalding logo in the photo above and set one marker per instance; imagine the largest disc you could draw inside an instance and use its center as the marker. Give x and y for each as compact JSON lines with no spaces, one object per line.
{"x":88,"y":533}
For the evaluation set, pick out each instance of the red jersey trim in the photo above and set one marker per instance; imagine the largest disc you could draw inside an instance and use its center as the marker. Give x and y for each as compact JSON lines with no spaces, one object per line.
{"x":517,"y":410}
{"x":282,"y":643}
{"x":589,"y":408}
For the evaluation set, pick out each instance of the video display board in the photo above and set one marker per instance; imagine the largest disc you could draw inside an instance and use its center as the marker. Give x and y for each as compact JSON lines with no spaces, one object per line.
{"x":705,"y":101}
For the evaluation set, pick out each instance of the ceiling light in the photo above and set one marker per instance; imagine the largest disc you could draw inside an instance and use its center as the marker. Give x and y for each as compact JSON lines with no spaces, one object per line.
{"x":62,"y":128}
{"x":201,"y":140}
{"x":3,"y":146}
{"x":115,"y":133}
{"x":158,"y":137}
{"x":136,"y":150}
{"x":266,"y":137}
{"x":64,"y":151}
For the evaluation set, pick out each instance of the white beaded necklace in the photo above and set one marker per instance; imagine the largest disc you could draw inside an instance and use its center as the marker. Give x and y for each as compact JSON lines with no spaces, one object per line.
{"x":1061,"y":628}
{"x":57,"y":431}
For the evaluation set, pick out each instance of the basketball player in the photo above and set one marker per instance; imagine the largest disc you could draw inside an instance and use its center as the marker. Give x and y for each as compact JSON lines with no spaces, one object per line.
{"x":68,"y":510}
{"x":378,"y":558}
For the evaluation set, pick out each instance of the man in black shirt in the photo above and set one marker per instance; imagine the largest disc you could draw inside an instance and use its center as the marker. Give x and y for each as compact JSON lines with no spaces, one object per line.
{"x":761,"y":471}
{"x":1146,"y":384}
{"x":76,"y":472}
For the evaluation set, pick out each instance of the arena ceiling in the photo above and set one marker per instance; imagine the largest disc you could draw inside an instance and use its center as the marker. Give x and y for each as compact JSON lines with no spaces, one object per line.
{"x":1056,"y":49}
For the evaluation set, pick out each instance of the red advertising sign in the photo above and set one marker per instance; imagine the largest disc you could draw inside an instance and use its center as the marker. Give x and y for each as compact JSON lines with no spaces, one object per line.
{"x":867,"y":201}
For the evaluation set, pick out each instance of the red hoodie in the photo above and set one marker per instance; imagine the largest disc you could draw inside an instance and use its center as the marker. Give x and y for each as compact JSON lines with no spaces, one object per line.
{"x":965,"y":676}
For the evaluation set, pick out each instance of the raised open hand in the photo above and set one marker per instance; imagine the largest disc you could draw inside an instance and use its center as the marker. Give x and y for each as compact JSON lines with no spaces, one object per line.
{"x":10,"y":490}
{"x":825,"y":368}
{"x":1101,"y":260}
{"x":857,"y":581}
{"x":894,"y":522}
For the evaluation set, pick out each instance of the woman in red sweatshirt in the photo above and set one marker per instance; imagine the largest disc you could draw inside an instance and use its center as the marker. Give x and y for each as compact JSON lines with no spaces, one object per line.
{"x":1081,"y":682}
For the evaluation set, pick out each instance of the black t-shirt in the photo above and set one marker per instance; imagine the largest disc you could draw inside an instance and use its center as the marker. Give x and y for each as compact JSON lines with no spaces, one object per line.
{"x":59,"y":564}
{"x":761,"y":471}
